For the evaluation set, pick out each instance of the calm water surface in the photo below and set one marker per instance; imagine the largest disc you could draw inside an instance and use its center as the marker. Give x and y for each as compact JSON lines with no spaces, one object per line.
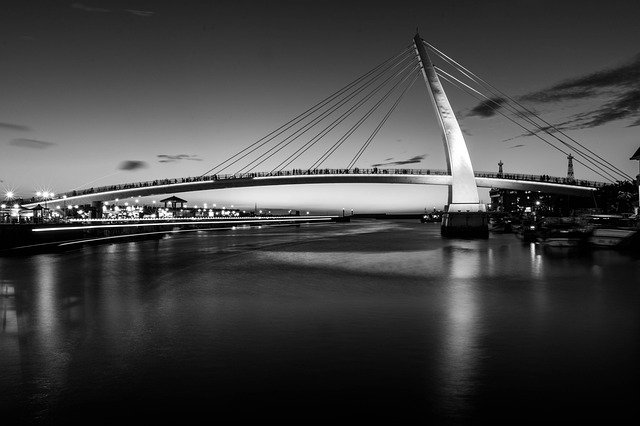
{"x":373,"y":320}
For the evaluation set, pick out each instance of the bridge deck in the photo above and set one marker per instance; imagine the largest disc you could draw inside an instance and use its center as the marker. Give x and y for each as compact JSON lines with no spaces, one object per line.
{"x":543,"y":183}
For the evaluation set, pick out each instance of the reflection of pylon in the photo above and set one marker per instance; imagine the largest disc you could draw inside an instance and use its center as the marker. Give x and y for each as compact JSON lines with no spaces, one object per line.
{"x":570,"y":167}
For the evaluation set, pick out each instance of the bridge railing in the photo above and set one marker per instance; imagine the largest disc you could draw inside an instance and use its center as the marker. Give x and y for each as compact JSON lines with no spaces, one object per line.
{"x":303,"y":172}
{"x":541,"y":178}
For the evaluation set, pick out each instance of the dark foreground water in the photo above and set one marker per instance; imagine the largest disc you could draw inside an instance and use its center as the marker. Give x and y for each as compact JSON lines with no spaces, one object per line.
{"x":373,"y":320}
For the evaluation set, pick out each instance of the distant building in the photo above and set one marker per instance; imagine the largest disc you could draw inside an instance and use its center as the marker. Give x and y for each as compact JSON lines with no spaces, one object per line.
{"x":520,"y":202}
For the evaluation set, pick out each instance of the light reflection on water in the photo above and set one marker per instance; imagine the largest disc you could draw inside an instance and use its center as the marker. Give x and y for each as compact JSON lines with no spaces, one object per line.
{"x":379,"y":319}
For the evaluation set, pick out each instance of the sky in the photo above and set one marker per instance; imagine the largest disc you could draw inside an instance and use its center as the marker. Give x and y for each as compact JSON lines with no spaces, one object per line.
{"x":99,"y":92}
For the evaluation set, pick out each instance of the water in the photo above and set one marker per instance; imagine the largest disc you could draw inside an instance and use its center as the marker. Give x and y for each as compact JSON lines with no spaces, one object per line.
{"x":331,"y":323}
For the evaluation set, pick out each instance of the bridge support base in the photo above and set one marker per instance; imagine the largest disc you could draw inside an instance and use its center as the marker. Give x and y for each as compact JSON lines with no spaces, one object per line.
{"x":465,"y":221}
{"x":96,"y":209}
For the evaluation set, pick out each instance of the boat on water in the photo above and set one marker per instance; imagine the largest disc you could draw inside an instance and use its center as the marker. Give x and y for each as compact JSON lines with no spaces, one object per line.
{"x":501,"y":225}
{"x":562,"y":232}
{"x":431,"y":217}
{"x":613,"y":231}
{"x":527,"y":231}
{"x":595,"y":231}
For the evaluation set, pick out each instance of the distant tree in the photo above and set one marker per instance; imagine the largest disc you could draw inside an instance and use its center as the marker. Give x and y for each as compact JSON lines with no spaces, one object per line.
{"x":617,"y":198}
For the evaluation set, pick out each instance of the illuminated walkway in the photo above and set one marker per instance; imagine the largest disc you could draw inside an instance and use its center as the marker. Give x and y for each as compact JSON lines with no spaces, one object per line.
{"x":547,"y":184}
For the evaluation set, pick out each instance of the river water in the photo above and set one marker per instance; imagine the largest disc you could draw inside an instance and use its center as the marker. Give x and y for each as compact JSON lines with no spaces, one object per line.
{"x":325,"y":323}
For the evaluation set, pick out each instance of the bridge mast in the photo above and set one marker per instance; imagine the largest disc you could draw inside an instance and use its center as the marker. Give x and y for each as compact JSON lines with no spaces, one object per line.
{"x":463,"y":192}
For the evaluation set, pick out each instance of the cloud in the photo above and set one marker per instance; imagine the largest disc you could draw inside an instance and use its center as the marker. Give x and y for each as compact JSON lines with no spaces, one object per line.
{"x":625,"y":76}
{"x":616,"y":88}
{"x":516,"y":146}
{"x":625,"y":105}
{"x":164,"y":158}
{"x":90,"y":9}
{"x":31,"y":143}
{"x":143,"y":13}
{"x":132,"y":165}
{"x":11,"y":126}
{"x":412,"y":160}
{"x":487,"y":108}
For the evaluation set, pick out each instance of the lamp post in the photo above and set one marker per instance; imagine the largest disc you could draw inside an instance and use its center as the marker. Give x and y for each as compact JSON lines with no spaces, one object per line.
{"x":8,"y":196}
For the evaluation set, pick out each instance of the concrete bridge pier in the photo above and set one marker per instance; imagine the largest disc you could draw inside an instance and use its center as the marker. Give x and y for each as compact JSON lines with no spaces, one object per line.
{"x":465,"y":220}
{"x":465,"y":216}
{"x":96,"y":209}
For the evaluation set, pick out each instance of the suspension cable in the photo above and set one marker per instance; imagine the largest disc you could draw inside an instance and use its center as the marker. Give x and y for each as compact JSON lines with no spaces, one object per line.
{"x":444,"y":74}
{"x":341,"y":141}
{"x":479,"y":80}
{"x":539,"y":128}
{"x":311,"y":110}
{"x":381,"y":124}
{"x":444,"y":77}
{"x":339,"y":120}
{"x":294,"y":136}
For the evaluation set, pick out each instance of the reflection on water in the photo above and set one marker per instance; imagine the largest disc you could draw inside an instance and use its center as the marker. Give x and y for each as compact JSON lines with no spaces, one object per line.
{"x":376,"y":320}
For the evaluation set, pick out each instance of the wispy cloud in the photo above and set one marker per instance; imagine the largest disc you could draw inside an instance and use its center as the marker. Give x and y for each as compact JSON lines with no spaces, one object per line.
{"x":143,"y":13}
{"x":132,"y":165}
{"x":90,"y":9}
{"x":625,"y":76}
{"x":622,"y":106}
{"x":617,"y":88}
{"x":487,"y":108}
{"x":93,"y":9}
{"x":12,"y":126}
{"x":412,"y":160}
{"x":516,"y":146}
{"x":165,"y":158}
{"x":31,"y":143}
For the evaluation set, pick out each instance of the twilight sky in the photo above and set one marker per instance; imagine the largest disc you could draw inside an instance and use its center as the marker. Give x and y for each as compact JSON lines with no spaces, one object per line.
{"x":97,"y":92}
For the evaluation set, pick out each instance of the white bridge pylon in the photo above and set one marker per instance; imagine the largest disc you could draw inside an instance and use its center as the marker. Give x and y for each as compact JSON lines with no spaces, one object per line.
{"x":463,"y":191}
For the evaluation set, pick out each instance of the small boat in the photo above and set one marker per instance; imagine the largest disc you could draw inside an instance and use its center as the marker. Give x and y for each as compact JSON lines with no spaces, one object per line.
{"x":612,"y":231}
{"x":527,"y":231}
{"x":501,"y":225}
{"x":564,"y":232}
{"x":564,"y":238}
{"x":431,"y":217}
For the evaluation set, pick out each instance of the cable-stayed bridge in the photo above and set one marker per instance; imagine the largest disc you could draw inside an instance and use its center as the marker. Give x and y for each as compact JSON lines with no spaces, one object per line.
{"x":297,"y":152}
{"x":543,"y":183}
